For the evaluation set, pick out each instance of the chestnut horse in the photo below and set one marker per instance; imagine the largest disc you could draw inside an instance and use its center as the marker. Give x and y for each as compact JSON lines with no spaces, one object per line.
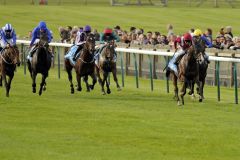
{"x":9,"y":57}
{"x":188,"y":73}
{"x":84,"y":66}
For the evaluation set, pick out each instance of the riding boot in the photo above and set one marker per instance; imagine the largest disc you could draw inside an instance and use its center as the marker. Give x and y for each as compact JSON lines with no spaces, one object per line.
{"x":206,"y":57}
{"x":80,"y":47}
{"x":178,"y":59}
{"x":167,"y":72}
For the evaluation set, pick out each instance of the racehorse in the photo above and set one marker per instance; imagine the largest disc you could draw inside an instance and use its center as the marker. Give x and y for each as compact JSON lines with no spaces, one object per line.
{"x":84,"y":66}
{"x":188,"y":73}
{"x":106,"y":64}
{"x":9,"y":57}
{"x":203,"y":66}
{"x":41,"y":63}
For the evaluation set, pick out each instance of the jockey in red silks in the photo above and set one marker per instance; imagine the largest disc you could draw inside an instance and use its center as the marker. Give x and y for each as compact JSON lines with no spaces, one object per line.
{"x":184,"y":43}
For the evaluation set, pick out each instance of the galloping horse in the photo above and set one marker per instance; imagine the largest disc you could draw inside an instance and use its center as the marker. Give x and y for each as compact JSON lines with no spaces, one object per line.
{"x":84,"y":65}
{"x":188,"y":73}
{"x":9,"y":57}
{"x":107,"y":64}
{"x":203,"y":66}
{"x":41,"y":63}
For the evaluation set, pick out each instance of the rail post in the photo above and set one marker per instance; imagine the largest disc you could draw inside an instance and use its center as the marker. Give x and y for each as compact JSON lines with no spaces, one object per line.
{"x":136,"y":70}
{"x":122,"y":70}
{"x":151,"y":74}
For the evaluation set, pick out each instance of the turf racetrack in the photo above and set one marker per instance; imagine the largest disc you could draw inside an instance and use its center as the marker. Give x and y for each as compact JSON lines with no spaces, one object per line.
{"x":130,"y":124}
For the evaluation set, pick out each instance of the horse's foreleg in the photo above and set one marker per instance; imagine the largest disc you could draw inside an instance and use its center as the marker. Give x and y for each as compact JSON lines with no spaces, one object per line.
{"x":114,"y":73}
{"x":94,"y":81}
{"x":105,"y":75}
{"x":4,"y":77}
{"x":42,"y":84}
{"x":100,"y":80}
{"x":85,"y":78}
{"x":0,"y":81}
{"x":200,"y":91}
{"x":33,"y":82}
{"x":69,"y":71}
{"x":176,"y":97}
{"x":183,"y":92}
{"x":79,"y":86}
{"x":9,"y":85}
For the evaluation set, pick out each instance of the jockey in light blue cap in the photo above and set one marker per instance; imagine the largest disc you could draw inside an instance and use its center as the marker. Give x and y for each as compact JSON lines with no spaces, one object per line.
{"x":7,"y":36}
{"x":41,"y":28}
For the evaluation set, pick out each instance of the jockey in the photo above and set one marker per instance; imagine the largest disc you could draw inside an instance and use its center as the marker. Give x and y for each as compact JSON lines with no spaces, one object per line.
{"x":7,"y":36}
{"x":184,"y":42}
{"x":198,"y":34}
{"x":81,"y":39}
{"x":41,"y":28}
{"x":107,"y":36}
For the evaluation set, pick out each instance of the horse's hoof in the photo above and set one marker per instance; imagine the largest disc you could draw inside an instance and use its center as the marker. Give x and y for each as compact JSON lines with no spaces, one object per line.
{"x":40,"y":93}
{"x":34,"y":90}
{"x":119,"y":89}
{"x":103,"y":93}
{"x":91,"y":87}
{"x":79,"y":89}
{"x":108,"y":91}
{"x":0,"y":84}
{"x":44,"y":88}
{"x":88,"y":90}
{"x":178,"y":103}
{"x":72,"y":91}
{"x":200,"y":100}
{"x":193,"y":96}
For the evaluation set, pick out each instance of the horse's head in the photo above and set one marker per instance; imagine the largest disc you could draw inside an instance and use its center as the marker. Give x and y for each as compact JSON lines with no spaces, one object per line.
{"x":108,"y":52}
{"x":43,"y":39}
{"x":199,"y":47}
{"x":90,"y":43}
{"x":11,"y":55}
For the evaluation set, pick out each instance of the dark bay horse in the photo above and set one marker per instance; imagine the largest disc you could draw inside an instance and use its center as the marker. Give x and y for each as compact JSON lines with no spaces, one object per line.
{"x":9,"y":57}
{"x":188,"y":73}
{"x":41,"y":63}
{"x":106,"y":64}
{"x":84,"y":66}
{"x":203,"y":66}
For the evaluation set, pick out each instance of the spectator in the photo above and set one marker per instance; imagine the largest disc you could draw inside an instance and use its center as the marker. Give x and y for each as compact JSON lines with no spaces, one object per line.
{"x":132,"y":29}
{"x":236,"y":41}
{"x":170,"y":30}
{"x":191,"y":31}
{"x":229,"y":31}
{"x":208,"y":34}
{"x":96,"y":35}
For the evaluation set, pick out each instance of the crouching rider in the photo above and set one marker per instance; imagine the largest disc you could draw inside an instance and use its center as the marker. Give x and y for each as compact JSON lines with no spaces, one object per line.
{"x":107,"y":36}
{"x":41,"y":29}
{"x":198,"y":34}
{"x":184,"y":43}
{"x":75,"y":50}
{"x":7,"y":37}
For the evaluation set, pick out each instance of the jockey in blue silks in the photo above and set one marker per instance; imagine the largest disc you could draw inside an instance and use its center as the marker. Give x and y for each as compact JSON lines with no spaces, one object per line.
{"x":7,"y":36}
{"x":41,"y":28}
{"x":79,"y":43}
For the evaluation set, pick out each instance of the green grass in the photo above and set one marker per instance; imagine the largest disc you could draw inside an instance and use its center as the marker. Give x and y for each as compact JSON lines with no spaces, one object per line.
{"x":131,"y":124}
{"x":25,"y":17}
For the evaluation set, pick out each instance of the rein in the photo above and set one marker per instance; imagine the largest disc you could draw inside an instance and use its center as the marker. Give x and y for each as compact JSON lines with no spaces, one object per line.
{"x":10,"y":63}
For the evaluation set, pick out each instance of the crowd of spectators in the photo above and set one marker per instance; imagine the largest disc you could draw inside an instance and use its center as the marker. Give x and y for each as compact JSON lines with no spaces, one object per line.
{"x":224,"y":38}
